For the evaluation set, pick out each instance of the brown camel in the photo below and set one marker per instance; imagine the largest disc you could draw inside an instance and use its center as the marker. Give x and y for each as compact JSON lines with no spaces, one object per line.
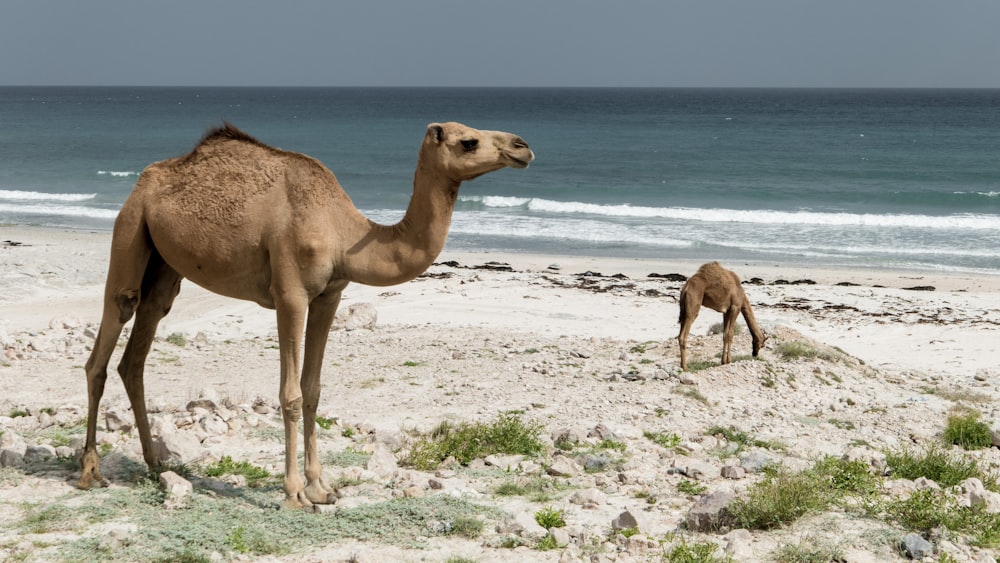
{"x":252,"y":222}
{"x":718,"y":289}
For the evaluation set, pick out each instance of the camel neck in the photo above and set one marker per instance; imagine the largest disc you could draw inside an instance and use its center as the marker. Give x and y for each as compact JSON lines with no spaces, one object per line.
{"x":394,"y":254}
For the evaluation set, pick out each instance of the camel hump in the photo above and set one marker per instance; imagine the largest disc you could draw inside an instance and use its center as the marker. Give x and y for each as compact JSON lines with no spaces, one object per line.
{"x":229,"y":132}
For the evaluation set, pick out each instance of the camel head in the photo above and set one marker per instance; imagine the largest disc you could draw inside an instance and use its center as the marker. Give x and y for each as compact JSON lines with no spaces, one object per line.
{"x":758,"y":345}
{"x":462,"y":153}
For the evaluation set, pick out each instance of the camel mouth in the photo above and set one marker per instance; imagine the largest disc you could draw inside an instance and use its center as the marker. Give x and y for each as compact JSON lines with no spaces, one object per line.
{"x":515,"y":162}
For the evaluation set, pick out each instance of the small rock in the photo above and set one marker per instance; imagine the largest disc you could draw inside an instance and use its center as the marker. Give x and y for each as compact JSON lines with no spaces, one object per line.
{"x":589,"y":498}
{"x":176,"y":487}
{"x":710,"y":512}
{"x":522,"y":524}
{"x":118,"y":421}
{"x":739,"y":545}
{"x":382,"y":462}
{"x":625,"y":521}
{"x":39,"y":453}
{"x":733,"y":472}
{"x":561,"y":536}
{"x":917,"y":547}
{"x":563,"y":467}
{"x":177,"y":447}
{"x":11,"y":458}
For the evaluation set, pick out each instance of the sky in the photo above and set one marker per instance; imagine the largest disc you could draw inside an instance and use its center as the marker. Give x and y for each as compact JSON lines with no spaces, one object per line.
{"x":655,"y":43}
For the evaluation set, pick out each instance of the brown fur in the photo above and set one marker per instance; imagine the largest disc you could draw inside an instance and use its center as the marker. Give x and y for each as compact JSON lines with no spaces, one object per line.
{"x":718,"y":289}
{"x":251,"y":222}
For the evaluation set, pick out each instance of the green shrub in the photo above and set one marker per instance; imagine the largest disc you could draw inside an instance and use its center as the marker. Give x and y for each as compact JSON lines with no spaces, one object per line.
{"x":938,"y":465}
{"x":695,"y":553}
{"x":549,"y":517}
{"x":663,"y":439}
{"x":967,"y":431}
{"x":226,"y":466}
{"x":508,"y":434}
{"x":780,"y":498}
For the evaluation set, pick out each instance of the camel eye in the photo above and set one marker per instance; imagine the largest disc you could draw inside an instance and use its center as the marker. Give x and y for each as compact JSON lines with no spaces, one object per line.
{"x":470,"y":145}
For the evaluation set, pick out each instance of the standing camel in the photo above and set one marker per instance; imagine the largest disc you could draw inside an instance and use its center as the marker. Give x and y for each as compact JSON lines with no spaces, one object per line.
{"x":718,"y":289}
{"x":248,"y":221}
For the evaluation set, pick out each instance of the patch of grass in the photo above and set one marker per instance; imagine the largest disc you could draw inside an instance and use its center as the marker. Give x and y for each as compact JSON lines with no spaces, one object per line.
{"x":784,"y":496}
{"x":412,"y":364}
{"x":718,"y":328}
{"x":549,"y":517}
{"x":780,"y":499}
{"x":324,"y":423}
{"x":537,"y":489}
{"x":18,"y":413}
{"x":692,"y":392}
{"x":700,"y":365}
{"x":966,"y":430}
{"x":795,"y":350}
{"x":547,"y":543}
{"x":242,"y":542}
{"x":663,"y":439}
{"x":206,"y":525}
{"x":40,"y":519}
{"x":740,"y":438}
{"x":808,"y":550}
{"x":701,"y":552}
{"x":226,"y":466}
{"x":348,"y":457}
{"x":938,"y":465}
{"x":508,"y":434}
{"x":934,"y":508}
{"x":642,"y":347}
{"x":607,"y":444}
{"x":177,"y":339}
{"x":691,"y":487}
{"x":959,"y":395}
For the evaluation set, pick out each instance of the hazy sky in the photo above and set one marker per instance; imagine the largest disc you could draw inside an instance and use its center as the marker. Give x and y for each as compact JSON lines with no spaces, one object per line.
{"x":851,"y":43}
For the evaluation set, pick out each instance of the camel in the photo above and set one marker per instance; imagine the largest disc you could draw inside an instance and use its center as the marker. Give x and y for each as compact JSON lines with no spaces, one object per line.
{"x":253,"y":222}
{"x":718,"y":289}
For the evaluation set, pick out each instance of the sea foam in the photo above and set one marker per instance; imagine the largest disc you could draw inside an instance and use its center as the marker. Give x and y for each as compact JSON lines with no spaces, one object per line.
{"x":17,"y":195}
{"x":757,"y":216}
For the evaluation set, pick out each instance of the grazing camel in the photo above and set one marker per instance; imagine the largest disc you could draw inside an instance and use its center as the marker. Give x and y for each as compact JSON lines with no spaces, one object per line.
{"x":248,"y":221}
{"x":718,"y":289}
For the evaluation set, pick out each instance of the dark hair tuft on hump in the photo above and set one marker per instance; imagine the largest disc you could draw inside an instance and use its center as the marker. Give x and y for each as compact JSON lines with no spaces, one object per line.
{"x":228,"y":131}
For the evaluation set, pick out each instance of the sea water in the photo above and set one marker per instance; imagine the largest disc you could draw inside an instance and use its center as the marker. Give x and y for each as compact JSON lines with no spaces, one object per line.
{"x":859,"y":178}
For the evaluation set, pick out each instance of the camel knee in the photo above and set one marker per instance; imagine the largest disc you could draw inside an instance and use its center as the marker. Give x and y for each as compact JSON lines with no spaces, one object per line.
{"x":127,"y":301}
{"x":292,"y":409}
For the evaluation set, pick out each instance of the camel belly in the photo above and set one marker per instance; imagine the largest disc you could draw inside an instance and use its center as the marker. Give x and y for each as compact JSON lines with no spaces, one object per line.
{"x":217,"y":266}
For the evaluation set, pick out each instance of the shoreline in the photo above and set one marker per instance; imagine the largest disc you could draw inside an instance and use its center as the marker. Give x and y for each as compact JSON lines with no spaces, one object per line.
{"x":869,"y":314}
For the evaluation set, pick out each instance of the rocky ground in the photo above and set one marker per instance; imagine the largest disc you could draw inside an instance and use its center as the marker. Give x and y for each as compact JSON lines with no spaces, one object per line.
{"x":386,"y":386}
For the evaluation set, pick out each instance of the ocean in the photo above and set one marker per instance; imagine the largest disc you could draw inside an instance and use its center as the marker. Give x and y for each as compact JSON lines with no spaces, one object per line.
{"x":882,"y":178}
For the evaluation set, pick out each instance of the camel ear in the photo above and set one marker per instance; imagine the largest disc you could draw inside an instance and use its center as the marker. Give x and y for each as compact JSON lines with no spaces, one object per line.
{"x":436,"y":132}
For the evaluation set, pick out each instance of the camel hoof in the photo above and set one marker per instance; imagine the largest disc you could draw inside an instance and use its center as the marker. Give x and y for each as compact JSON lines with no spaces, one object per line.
{"x":88,"y":482}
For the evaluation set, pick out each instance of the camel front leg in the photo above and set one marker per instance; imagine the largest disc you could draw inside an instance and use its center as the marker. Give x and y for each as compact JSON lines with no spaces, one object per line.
{"x":321,"y":314}
{"x":689,"y":312}
{"x":729,"y":327}
{"x":290,"y":308}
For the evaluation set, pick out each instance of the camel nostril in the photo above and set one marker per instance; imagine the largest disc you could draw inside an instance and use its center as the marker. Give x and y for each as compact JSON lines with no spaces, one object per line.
{"x":519,"y":143}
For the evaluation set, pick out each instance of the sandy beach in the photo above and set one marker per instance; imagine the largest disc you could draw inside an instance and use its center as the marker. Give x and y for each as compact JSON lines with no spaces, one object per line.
{"x":571,"y":341}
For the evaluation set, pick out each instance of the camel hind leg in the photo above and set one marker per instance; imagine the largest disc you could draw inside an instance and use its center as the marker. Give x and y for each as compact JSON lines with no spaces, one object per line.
{"x":130,"y":251}
{"x":728,"y":328}
{"x":160,"y":286}
{"x":690,"y":305}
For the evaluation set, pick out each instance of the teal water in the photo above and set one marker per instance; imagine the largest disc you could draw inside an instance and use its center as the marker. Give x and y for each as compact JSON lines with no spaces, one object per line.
{"x":888,"y":178}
